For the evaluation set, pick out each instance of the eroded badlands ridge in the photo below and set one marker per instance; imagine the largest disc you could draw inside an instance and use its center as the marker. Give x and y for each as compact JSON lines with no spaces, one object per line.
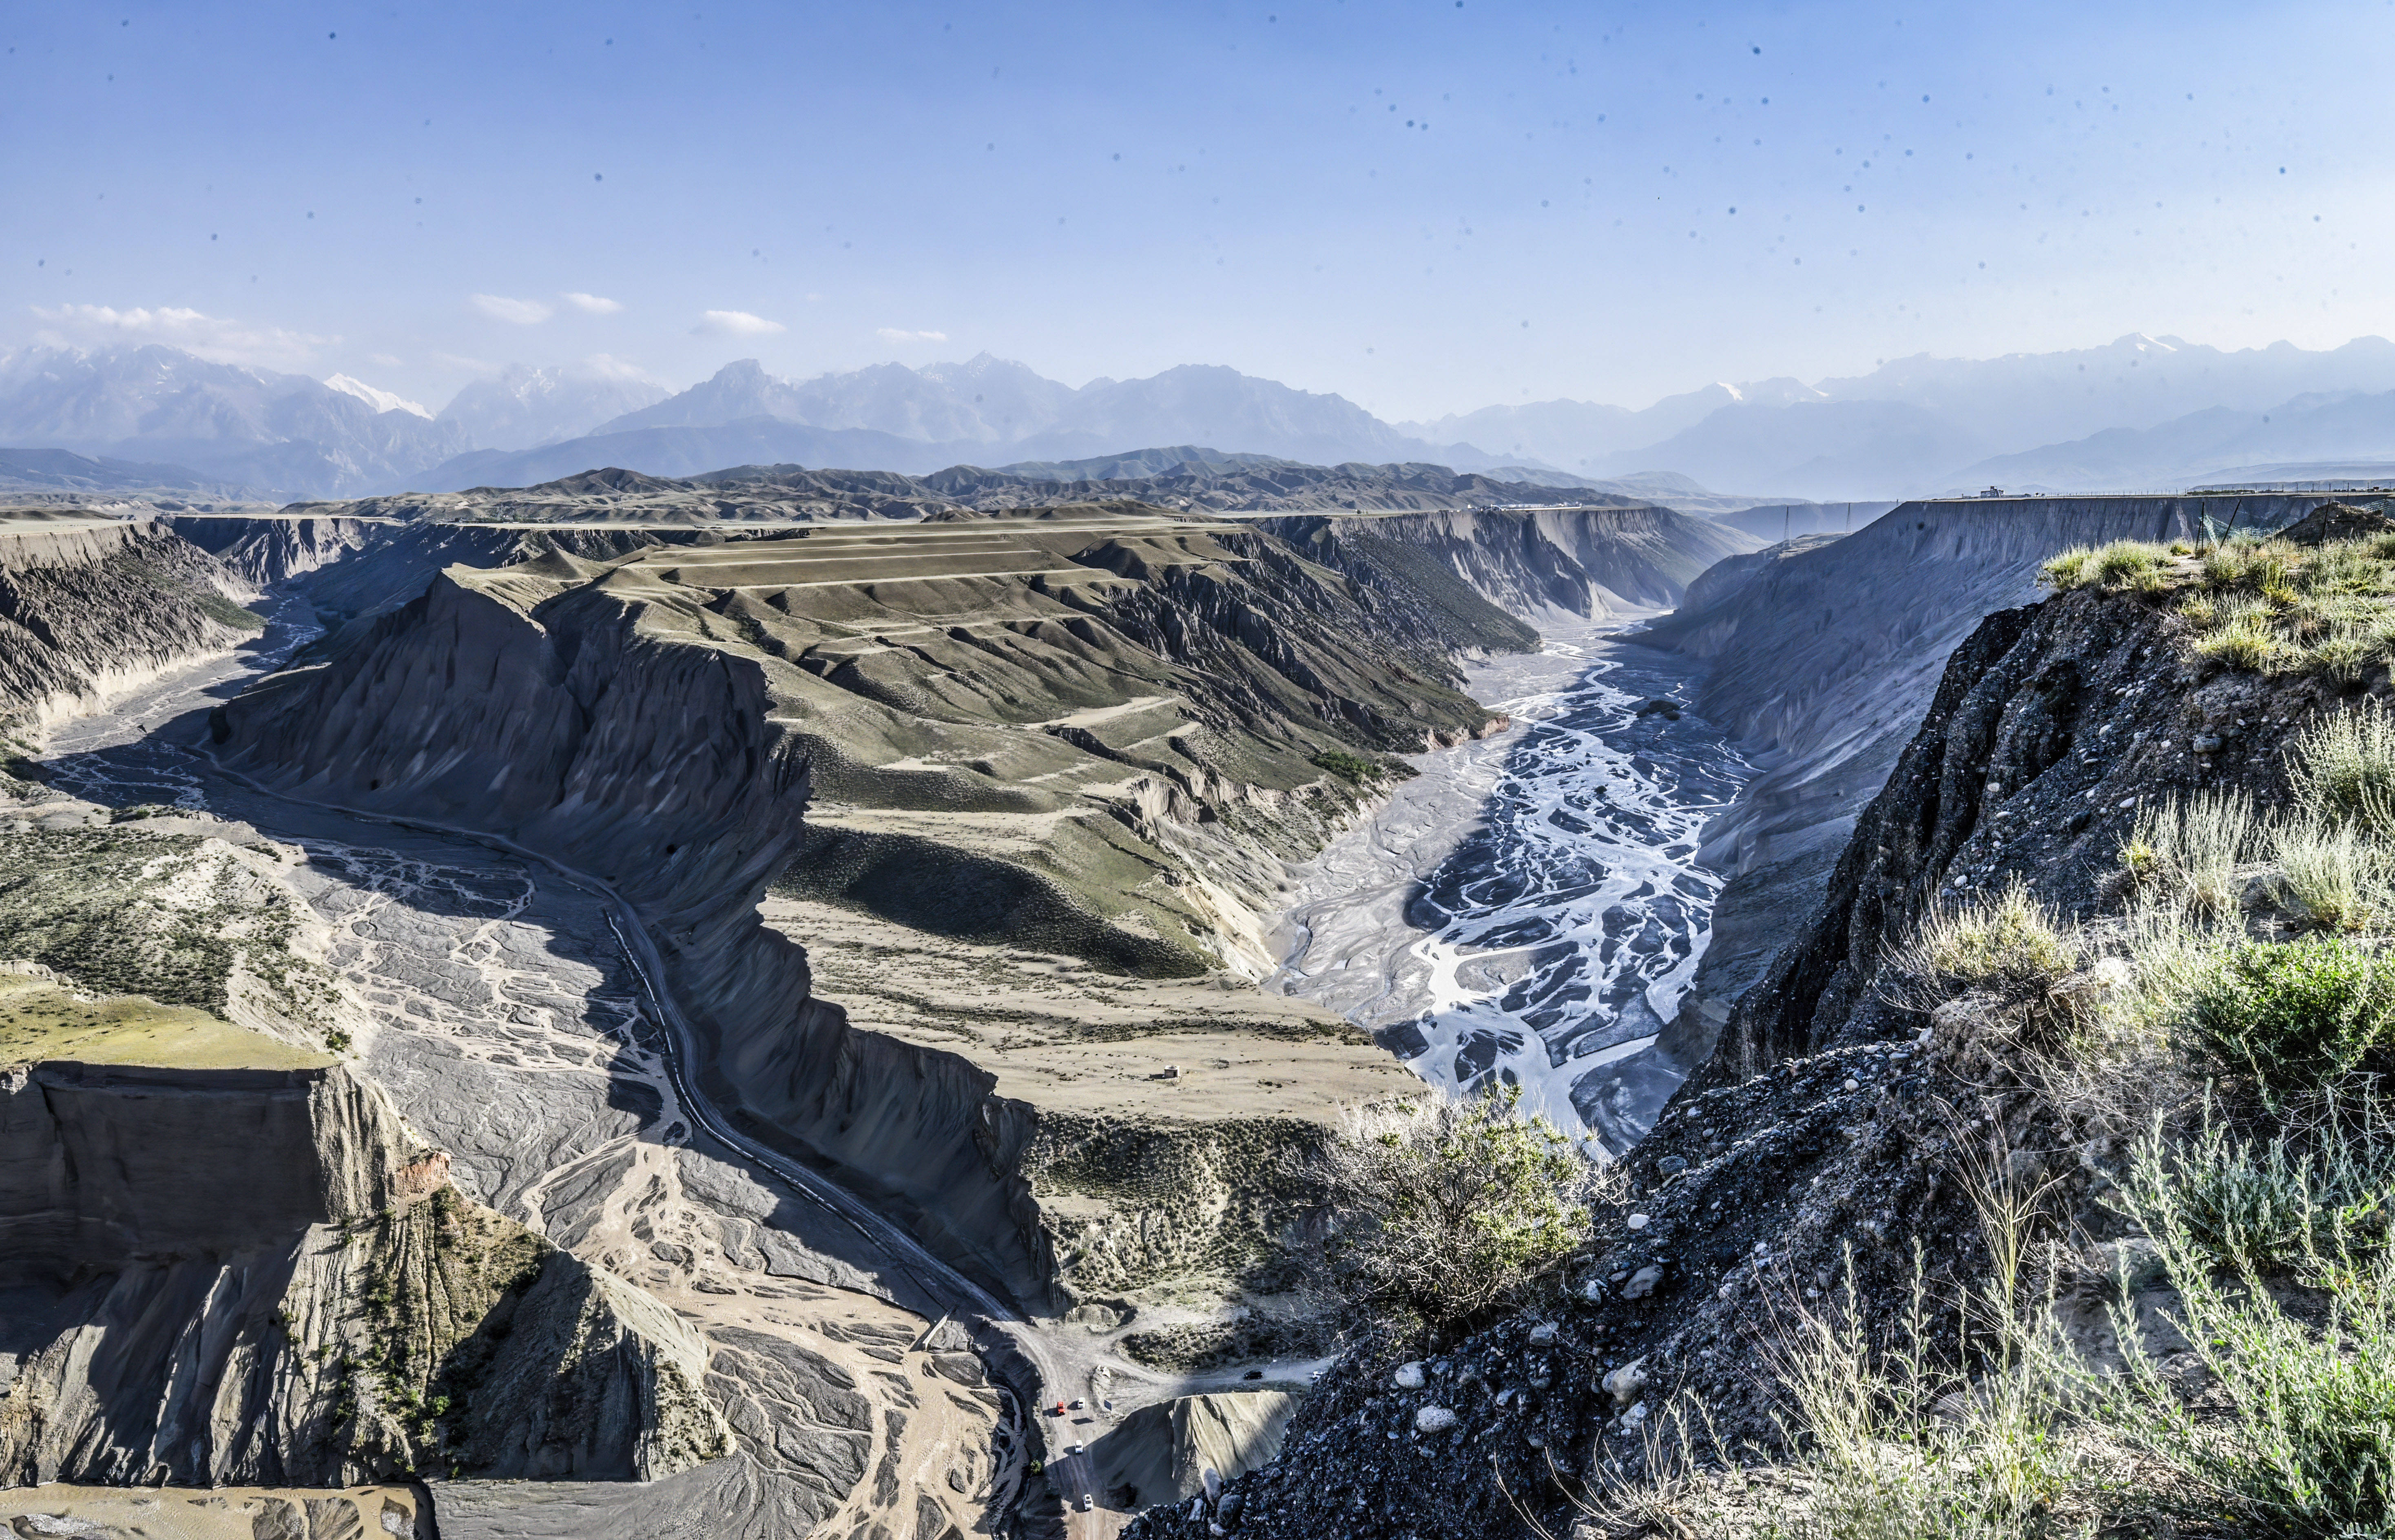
{"x":1092,"y":732}
{"x":1058,"y":763}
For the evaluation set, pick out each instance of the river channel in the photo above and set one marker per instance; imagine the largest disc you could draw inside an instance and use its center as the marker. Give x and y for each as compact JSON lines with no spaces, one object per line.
{"x":1530,"y":908}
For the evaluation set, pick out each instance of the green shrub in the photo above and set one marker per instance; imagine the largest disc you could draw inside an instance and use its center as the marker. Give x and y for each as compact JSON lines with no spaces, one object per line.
{"x":2279,"y":1204}
{"x":2295,"y":1015}
{"x":1438,"y":1210}
{"x":2011,"y":942}
{"x":224,"y":612}
{"x":1346,"y":766}
{"x":2343,"y":768}
{"x":2298,"y":1435}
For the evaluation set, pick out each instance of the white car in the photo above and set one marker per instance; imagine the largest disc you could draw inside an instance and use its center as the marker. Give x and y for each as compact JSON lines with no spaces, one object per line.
{"x":1076,"y":1449}
{"x":1088,"y":1502}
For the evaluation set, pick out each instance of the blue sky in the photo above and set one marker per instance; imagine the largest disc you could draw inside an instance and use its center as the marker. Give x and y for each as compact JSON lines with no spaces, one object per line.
{"x":1424,"y":205}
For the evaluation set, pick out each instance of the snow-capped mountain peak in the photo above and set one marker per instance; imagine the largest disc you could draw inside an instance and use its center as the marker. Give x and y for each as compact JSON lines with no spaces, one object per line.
{"x":381,"y":401}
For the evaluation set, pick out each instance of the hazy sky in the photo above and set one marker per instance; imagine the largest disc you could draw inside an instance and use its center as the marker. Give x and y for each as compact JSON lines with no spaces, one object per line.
{"x":1424,"y":205}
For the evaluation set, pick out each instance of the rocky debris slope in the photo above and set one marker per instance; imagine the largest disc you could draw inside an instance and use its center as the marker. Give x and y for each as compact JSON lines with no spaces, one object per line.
{"x":1162,"y":1452}
{"x":91,"y":606}
{"x":1823,"y":659}
{"x":1841,"y":1123}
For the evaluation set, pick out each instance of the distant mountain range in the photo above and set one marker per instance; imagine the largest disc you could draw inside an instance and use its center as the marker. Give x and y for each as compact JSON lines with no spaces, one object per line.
{"x":2138,"y":414}
{"x":2065,"y":421}
{"x":283,"y":435}
{"x":522,"y":405}
{"x":890,"y":418}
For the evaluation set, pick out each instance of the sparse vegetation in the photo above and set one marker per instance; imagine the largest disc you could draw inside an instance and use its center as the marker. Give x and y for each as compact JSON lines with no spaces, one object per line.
{"x":1437,"y":1210}
{"x":1904,"y":1443}
{"x":2343,"y":768}
{"x":2012,"y":944}
{"x":2336,"y":872}
{"x":2299,"y":1437}
{"x":2298,"y":1015}
{"x":2259,"y":603}
{"x":2188,"y":854}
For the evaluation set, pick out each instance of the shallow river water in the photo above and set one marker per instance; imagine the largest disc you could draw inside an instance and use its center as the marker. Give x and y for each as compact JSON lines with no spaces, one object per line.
{"x":1530,"y":908}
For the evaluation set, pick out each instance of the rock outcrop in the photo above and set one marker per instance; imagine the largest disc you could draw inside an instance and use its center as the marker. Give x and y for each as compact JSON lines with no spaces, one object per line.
{"x":269,"y":548}
{"x":1572,"y":563}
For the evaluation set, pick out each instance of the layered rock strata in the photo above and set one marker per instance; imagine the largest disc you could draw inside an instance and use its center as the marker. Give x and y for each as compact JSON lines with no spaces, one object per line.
{"x":1573,"y":564}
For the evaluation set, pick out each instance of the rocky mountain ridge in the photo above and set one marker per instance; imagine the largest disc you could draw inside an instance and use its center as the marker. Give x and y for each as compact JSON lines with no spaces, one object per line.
{"x":287,"y":434}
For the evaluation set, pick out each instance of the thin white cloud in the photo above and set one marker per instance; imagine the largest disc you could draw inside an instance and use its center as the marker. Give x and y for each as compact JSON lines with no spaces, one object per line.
{"x":737,"y":323}
{"x":212,"y":338}
{"x":607,"y":366}
{"x":892,"y":333}
{"x":520,"y":313}
{"x":386,"y":360}
{"x":594,"y":304}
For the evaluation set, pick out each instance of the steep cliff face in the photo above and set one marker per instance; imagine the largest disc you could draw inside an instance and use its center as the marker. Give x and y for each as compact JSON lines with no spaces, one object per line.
{"x":1823,"y":660}
{"x":1536,"y":564}
{"x":90,"y":607}
{"x":258,"y":1276}
{"x":268,"y":549}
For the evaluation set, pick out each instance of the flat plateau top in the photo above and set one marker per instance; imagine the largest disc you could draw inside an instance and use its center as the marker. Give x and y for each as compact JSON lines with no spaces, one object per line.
{"x":1069,"y":1038}
{"x":40,"y":1021}
{"x":16,"y":522}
